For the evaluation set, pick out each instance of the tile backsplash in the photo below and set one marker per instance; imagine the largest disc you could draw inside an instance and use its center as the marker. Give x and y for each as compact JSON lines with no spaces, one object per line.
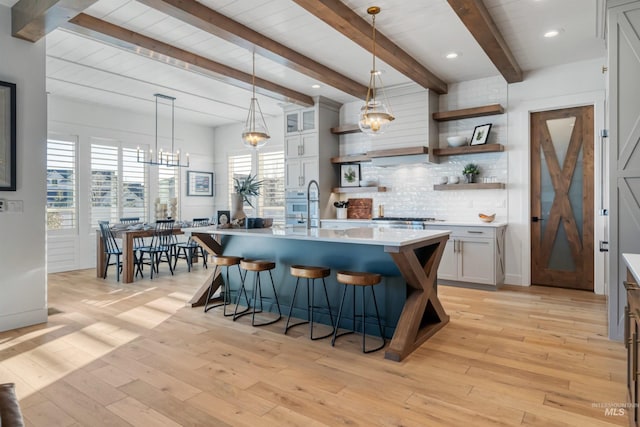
{"x":410,"y":189}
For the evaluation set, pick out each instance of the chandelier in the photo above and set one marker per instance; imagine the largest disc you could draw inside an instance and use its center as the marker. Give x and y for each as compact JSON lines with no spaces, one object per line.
{"x":375,"y":116}
{"x":255,"y":132}
{"x":163,"y":158}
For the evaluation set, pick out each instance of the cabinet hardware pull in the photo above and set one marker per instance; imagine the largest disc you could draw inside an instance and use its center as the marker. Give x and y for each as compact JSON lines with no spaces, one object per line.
{"x":475,"y":232}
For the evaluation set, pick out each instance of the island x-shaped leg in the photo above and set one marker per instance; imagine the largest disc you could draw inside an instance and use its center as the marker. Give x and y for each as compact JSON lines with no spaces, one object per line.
{"x":213,"y":246}
{"x":422,"y":314}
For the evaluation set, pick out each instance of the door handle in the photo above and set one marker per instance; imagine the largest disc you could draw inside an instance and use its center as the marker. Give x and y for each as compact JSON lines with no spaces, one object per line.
{"x":536,"y":219}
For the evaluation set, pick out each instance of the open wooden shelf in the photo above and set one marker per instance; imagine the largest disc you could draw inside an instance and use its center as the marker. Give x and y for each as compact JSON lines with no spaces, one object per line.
{"x":345,"y":129}
{"x":359,"y":190}
{"x":465,"y":113}
{"x":354,"y":158}
{"x":478,"y":186}
{"x":408,"y":151}
{"x":468,"y":149}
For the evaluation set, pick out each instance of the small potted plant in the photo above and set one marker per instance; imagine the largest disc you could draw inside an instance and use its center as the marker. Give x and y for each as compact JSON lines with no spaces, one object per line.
{"x":244,"y":188}
{"x":470,"y":171}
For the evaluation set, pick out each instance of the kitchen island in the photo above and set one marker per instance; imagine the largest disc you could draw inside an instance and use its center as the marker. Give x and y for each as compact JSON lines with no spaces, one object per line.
{"x":407,"y":259}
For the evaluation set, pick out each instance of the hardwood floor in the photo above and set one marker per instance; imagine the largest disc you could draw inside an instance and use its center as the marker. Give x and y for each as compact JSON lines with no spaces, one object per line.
{"x":115,"y":354}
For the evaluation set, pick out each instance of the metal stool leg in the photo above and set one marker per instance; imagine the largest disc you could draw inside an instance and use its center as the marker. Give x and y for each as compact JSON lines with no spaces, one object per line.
{"x":335,"y":332}
{"x":384,"y":342}
{"x":293,"y":300}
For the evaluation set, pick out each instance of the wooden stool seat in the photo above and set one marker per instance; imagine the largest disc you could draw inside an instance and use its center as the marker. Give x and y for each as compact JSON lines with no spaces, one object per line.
{"x":226,"y":261}
{"x":257,"y":265}
{"x":309,"y":272}
{"x":357,"y":278}
{"x":363,"y":280}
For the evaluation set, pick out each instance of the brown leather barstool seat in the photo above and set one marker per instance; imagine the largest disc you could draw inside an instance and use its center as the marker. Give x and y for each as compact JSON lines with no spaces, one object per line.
{"x":257,"y":266}
{"x":311,"y":273}
{"x":362,"y":280}
{"x":224,"y":261}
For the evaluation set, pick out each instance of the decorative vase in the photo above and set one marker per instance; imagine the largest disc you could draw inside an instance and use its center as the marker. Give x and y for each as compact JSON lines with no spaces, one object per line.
{"x":469,"y":178}
{"x":237,"y":202}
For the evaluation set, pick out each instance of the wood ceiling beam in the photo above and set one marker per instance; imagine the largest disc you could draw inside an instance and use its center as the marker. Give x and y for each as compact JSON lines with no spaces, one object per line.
{"x":137,"y":43}
{"x":200,"y":16}
{"x":476,"y":18}
{"x":33,"y":19}
{"x":343,"y":19}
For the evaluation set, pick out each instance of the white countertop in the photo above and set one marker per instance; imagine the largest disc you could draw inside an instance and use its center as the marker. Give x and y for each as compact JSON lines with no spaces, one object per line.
{"x":478,"y":223}
{"x":633,"y":263}
{"x":359,"y":235}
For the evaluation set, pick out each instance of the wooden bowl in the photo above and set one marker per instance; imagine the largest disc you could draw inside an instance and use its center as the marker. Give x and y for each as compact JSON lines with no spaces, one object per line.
{"x":486,"y":218}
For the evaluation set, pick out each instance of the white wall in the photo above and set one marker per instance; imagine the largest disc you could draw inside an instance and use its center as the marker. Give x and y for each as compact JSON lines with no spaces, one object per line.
{"x":23,"y":281}
{"x":85,"y":121}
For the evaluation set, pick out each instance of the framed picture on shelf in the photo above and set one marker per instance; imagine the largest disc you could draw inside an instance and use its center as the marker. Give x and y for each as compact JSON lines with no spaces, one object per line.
{"x":480,"y":134}
{"x":350,"y":175}
{"x":7,"y":136}
{"x":200,"y":183}
{"x":223,"y":218}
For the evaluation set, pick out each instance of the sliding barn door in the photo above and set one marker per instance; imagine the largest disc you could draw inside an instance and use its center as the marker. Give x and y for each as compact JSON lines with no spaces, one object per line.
{"x":562,"y":198}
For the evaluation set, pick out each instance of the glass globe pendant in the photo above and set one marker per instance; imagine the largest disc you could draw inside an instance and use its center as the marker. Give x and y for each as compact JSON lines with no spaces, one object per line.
{"x":255,"y":133}
{"x":375,"y":116}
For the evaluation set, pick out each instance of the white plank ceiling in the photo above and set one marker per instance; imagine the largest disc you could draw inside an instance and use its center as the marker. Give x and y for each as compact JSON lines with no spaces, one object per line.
{"x":78,"y":67}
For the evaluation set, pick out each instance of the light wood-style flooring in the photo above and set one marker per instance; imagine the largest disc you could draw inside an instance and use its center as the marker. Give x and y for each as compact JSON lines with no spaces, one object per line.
{"x":119,"y":355}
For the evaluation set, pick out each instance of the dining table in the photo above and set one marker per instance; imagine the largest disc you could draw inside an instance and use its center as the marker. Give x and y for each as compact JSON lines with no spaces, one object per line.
{"x":128,"y":236}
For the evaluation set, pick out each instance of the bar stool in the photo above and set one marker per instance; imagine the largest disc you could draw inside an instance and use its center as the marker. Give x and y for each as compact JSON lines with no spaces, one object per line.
{"x":257,"y":266}
{"x":225,"y":261}
{"x":364,"y":280}
{"x":310,"y":273}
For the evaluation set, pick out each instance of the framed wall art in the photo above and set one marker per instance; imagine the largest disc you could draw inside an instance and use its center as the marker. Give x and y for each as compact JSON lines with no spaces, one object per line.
{"x":350,"y":175}
{"x":200,"y":183}
{"x":7,"y":136}
{"x":480,"y":134}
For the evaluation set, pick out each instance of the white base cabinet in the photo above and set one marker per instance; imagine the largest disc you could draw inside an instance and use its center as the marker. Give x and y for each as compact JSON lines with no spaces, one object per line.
{"x":473,"y":255}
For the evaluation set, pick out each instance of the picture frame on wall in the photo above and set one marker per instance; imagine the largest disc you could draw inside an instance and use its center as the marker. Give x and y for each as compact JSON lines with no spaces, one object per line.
{"x":200,"y":183}
{"x":481,"y":134}
{"x":7,"y":136}
{"x":350,"y":175}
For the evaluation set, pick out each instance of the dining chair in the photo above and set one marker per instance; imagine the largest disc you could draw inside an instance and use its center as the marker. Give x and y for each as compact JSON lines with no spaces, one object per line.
{"x":138,"y":242}
{"x":160,"y":244}
{"x":110,"y":247}
{"x":191,"y":247}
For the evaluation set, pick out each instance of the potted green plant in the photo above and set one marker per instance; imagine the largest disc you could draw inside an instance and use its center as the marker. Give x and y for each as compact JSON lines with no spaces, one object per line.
{"x":470,"y":171}
{"x":244,"y":188}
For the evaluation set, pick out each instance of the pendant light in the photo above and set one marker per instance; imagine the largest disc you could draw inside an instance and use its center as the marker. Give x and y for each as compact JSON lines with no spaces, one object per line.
{"x":375,"y":116}
{"x":160,"y":158}
{"x":255,"y":132}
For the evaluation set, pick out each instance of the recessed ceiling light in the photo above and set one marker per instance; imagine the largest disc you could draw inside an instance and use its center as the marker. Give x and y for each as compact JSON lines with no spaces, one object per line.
{"x":451,"y":55}
{"x":551,"y":33}
{"x":316,"y":86}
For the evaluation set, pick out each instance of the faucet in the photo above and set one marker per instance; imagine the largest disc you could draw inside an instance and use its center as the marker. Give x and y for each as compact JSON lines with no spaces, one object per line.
{"x":316,"y":200}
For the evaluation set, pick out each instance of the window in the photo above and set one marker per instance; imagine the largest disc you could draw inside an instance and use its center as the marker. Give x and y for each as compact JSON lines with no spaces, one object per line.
{"x":271,"y":172}
{"x":118,"y":183}
{"x":240,"y":168}
{"x":61,"y":184}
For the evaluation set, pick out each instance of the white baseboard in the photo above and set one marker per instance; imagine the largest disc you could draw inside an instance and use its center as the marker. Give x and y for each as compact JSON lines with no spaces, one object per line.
{"x":20,"y":320}
{"x":514,"y":279}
